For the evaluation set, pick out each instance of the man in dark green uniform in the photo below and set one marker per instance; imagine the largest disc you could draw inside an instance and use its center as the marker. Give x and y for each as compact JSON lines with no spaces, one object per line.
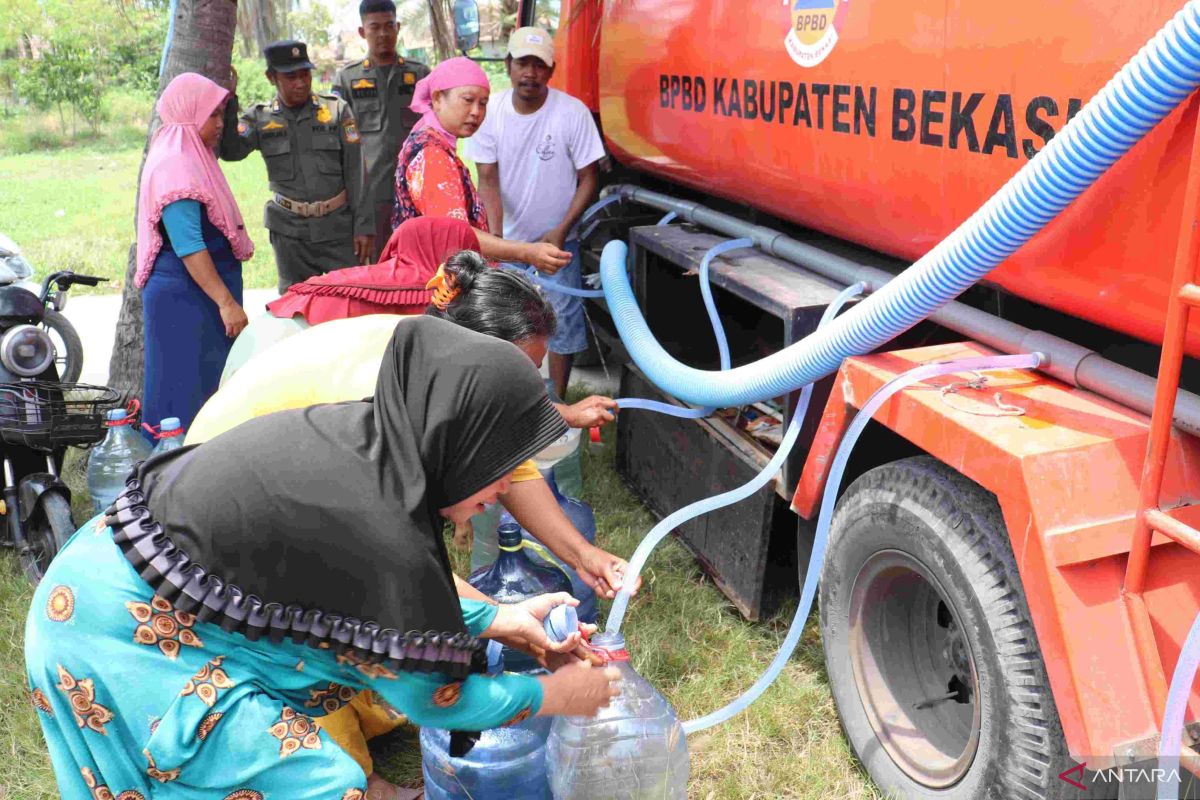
{"x":379,"y":89}
{"x":317,"y":215}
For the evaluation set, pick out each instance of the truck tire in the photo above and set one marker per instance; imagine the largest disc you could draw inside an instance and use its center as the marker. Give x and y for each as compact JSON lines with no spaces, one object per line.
{"x":931,"y":655}
{"x":69,"y":349}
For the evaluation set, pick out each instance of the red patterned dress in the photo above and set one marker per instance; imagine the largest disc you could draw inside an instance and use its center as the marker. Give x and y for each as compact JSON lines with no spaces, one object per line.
{"x":432,"y":181}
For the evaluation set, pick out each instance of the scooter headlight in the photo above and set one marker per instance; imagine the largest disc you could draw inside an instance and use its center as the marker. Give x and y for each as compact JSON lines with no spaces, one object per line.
{"x":26,"y":350}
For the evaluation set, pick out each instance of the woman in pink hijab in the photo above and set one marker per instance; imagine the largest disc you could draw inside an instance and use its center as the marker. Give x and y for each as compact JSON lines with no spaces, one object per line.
{"x":431,"y":180}
{"x":190,"y":248}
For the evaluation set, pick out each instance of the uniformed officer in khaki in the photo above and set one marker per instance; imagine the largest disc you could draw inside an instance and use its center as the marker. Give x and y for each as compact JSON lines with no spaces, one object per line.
{"x":317,"y":216}
{"x":379,"y":89}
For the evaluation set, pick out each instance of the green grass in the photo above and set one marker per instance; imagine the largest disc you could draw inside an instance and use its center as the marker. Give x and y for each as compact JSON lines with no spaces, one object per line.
{"x":124,"y":116}
{"x":74,"y":210}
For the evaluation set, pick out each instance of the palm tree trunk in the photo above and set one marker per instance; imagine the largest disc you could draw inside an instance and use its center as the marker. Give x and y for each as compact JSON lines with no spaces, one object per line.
{"x":440,"y":16}
{"x":203,"y":43}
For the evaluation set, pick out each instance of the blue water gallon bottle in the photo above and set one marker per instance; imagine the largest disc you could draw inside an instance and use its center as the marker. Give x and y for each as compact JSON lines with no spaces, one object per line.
{"x":581,"y":516}
{"x":505,"y":764}
{"x":515,"y":577}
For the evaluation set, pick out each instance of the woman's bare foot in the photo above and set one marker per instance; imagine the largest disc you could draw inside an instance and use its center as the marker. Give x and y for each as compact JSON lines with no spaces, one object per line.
{"x":380,"y":789}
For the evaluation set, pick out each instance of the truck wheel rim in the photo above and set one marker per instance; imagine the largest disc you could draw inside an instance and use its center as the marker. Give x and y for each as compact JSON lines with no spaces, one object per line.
{"x":909,"y":654}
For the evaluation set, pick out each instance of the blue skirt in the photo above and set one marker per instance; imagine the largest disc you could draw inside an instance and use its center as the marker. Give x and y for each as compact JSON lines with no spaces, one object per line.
{"x":186,"y":345}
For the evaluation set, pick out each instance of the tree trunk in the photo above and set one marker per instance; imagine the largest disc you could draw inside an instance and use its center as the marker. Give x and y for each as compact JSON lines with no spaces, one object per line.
{"x":442,"y":29}
{"x":509,"y":9}
{"x":260,"y":23}
{"x":203,"y":43}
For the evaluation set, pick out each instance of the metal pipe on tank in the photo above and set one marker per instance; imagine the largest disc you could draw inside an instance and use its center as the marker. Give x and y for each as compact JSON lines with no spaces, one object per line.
{"x":1065,"y":361}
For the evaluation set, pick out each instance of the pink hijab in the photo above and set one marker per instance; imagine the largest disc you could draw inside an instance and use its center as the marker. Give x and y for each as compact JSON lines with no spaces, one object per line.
{"x":180,"y":167}
{"x":450,"y":74}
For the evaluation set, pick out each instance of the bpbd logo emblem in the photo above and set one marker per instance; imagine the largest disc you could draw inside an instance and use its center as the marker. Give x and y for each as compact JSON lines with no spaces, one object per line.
{"x":814,"y":31}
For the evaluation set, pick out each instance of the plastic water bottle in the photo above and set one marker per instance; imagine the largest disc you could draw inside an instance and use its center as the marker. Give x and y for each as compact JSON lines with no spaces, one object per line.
{"x":505,"y":764}
{"x":563,"y":458}
{"x":169,"y":436}
{"x":515,"y":577}
{"x":113,"y":459}
{"x":581,"y":516}
{"x":634,"y":749}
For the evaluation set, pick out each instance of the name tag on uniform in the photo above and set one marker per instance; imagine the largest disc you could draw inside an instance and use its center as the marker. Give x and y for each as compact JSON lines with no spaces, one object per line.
{"x":364,"y":88}
{"x":273,"y":128}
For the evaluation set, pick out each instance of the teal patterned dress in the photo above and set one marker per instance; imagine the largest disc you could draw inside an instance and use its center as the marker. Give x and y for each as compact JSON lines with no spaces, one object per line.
{"x":138,"y":700}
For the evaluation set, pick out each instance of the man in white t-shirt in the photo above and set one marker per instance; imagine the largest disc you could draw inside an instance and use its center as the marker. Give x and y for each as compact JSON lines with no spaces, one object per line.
{"x":536,"y":154}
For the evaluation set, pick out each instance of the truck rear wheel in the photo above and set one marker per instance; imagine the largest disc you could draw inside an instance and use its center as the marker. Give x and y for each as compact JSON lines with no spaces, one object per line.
{"x":931,"y":655}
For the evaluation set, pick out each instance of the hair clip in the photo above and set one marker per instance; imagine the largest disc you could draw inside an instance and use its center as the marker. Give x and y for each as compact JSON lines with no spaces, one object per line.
{"x":445,"y":288}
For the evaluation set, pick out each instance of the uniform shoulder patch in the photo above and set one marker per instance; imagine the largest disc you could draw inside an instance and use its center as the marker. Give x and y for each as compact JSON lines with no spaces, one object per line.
{"x":242,"y":127}
{"x":351,"y":129}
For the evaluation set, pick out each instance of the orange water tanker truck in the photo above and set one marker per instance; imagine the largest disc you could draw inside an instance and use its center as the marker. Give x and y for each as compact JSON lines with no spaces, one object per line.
{"x":1014,"y":563}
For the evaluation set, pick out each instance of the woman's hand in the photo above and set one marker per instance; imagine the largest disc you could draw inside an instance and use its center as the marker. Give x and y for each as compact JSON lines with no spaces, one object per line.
{"x":590,"y":412}
{"x":520,"y":626}
{"x":578,"y":690}
{"x":234,"y":318}
{"x":604,"y":572}
{"x":547,"y":258}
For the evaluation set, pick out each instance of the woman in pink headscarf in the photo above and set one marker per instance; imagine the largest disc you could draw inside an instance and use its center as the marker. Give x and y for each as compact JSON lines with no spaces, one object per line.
{"x":431,"y":180}
{"x":190,"y":248}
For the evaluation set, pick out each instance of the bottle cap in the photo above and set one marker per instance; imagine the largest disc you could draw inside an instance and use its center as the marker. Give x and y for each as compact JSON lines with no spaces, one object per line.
{"x":169,"y":424}
{"x":508,"y":534}
{"x":115,"y":415}
{"x":561,"y":622}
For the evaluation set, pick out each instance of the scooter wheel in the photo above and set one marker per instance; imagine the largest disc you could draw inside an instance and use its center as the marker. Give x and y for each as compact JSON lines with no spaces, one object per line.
{"x":46,"y":531}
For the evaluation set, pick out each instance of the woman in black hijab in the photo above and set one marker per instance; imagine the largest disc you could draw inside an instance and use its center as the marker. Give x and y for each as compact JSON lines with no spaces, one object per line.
{"x":239,"y":588}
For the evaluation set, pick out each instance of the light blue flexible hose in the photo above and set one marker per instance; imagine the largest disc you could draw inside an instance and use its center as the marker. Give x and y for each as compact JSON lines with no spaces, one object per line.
{"x":1155,"y":81}
{"x":1171,"y":741}
{"x":551,"y":286}
{"x":693,"y":510}
{"x":592,"y":211}
{"x":828,"y":501}
{"x":710,"y":305}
